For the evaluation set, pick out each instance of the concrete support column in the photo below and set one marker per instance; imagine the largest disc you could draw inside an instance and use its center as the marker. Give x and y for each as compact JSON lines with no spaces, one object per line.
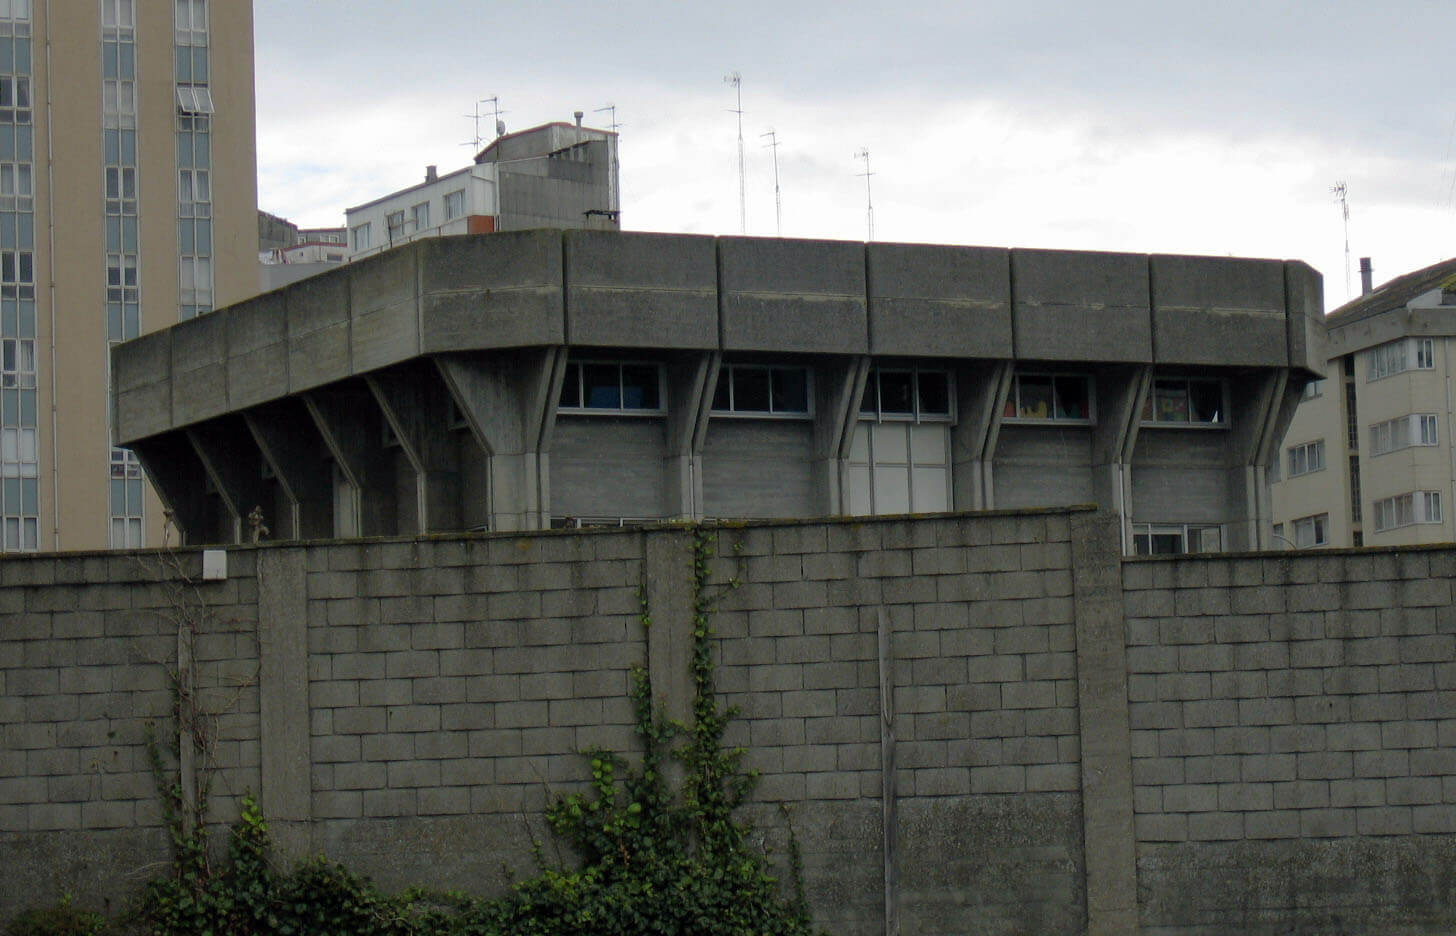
{"x":416,"y":408}
{"x":690,"y":386}
{"x":838,"y":387}
{"x":1120,"y":394}
{"x":348,"y":420}
{"x":290,"y":444}
{"x":1261,"y":410}
{"x":235,"y":467}
{"x":981,"y":393}
{"x":1107,"y":807}
{"x":509,"y":403}
{"x":283,"y":713}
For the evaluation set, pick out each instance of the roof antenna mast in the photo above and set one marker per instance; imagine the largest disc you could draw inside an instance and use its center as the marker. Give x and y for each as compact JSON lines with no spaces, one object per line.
{"x":1341,"y":193}
{"x":869,"y":199}
{"x":773,"y":144}
{"x":736,"y":80}
{"x":500,"y":128}
{"x":614,"y":196}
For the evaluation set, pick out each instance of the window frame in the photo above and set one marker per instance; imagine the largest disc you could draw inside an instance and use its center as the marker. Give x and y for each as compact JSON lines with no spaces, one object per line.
{"x":1318,"y":526}
{"x":581,"y":409}
{"x":1149,"y":417}
{"x":916,"y":415}
{"x":1146,"y":531}
{"x":367,"y":238}
{"x":1013,"y":400}
{"x":458,"y":194}
{"x":727,"y":370}
{"x":1302,"y":458}
{"x":1410,"y":508}
{"x":1414,"y":354}
{"x":1404,"y":432}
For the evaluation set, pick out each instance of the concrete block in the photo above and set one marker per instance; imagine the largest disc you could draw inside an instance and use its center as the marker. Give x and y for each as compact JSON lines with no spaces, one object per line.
{"x":1218,"y":310}
{"x":1215,"y":826}
{"x":1080,"y":305}
{"x":1161,"y":828}
{"x":792,"y":296}
{"x":930,"y":301}
{"x":1308,"y":340}
{"x":641,"y":290}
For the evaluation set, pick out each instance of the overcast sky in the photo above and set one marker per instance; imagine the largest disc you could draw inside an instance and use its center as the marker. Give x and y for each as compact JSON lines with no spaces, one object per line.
{"x":1145,"y":125}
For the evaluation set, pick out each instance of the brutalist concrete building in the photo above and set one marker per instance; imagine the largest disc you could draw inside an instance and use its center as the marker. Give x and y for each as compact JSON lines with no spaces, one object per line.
{"x":543,"y":378}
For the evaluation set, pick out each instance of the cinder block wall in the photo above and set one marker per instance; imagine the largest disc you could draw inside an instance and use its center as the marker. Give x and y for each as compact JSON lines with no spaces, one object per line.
{"x":1293,"y":721}
{"x":1268,"y":747}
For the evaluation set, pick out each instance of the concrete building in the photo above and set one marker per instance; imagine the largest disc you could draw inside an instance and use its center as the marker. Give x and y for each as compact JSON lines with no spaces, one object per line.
{"x":557,"y":175}
{"x":1368,"y":458}
{"x":288,"y":253}
{"x":127,"y":202}
{"x":538,"y":378}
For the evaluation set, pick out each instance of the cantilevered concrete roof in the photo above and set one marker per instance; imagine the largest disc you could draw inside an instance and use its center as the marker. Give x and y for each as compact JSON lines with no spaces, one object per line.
{"x":667,"y":292}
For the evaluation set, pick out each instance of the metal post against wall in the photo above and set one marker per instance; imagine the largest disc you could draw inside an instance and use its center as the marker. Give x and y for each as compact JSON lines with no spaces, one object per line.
{"x":889,"y":822}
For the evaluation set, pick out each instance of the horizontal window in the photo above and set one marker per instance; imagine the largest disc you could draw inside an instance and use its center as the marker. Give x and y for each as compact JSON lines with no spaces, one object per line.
{"x":1035,"y":397}
{"x":1404,"y":432}
{"x":1185,"y":401}
{"x":584,"y":523}
{"x":610,"y":386}
{"x":1313,"y":390}
{"x":1400,"y":355}
{"x":906,"y":393}
{"x":1311,"y":531}
{"x":1407,"y":509}
{"x":1165,"y":539}
{"x":1306,"y":458}
{"x":746,"y":388}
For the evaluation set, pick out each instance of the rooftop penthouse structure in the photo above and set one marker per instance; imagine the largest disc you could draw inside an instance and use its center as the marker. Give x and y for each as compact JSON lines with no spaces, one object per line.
{"x":529,"y":379}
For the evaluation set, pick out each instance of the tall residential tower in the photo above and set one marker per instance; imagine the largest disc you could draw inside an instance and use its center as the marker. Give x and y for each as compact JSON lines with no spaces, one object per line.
{"x":128,"y":201}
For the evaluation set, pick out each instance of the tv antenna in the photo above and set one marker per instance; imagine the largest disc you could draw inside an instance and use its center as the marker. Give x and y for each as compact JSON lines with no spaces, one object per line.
{"x":773,"y":144}
{"x":614,"y":196}
{"x":1342,"y":192}
{"x":736,"y":80}
{"x":494,"y":112}
{"x":864,"y":154}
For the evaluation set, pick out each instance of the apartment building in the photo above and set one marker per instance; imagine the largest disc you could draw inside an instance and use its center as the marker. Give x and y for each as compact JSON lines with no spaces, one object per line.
{"x":127,"y":203}
{"x":557,"y":175}
{"x":523,"y":380}
{"x":1368,"y":459}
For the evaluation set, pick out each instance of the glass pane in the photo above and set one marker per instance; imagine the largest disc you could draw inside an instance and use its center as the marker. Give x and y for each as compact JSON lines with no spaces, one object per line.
{"x":1035,"y":398}
{"x":639,"y":386}
{"x":1172,"y":401}
{"x":751,"y":390}
{"x":721,"y":399}
{"x":600,"y":385}
{"x":1072,"y":398}
{"x":934,"y":393}
{"x":1166,"y":544}
{"x":1206,"y":401}
{"x":868,"y":402}
{"x":790,"y":390}
{"x":897,"y":392}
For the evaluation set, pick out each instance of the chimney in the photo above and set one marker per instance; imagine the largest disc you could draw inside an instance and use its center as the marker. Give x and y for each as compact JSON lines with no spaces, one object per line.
{"x":1366,"y":275}
{"x":432,"y":173}
{"x":578,"y":115}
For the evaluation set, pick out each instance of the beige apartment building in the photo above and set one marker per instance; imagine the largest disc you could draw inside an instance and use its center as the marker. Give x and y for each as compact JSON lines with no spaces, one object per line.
{"x":1368,"y":459}
{"x":127,"y":202}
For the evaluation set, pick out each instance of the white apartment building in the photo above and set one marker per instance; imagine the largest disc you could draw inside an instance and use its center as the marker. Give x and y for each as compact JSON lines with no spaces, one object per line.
{"x":1368,"y":458}
{"x":556,"y":175}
